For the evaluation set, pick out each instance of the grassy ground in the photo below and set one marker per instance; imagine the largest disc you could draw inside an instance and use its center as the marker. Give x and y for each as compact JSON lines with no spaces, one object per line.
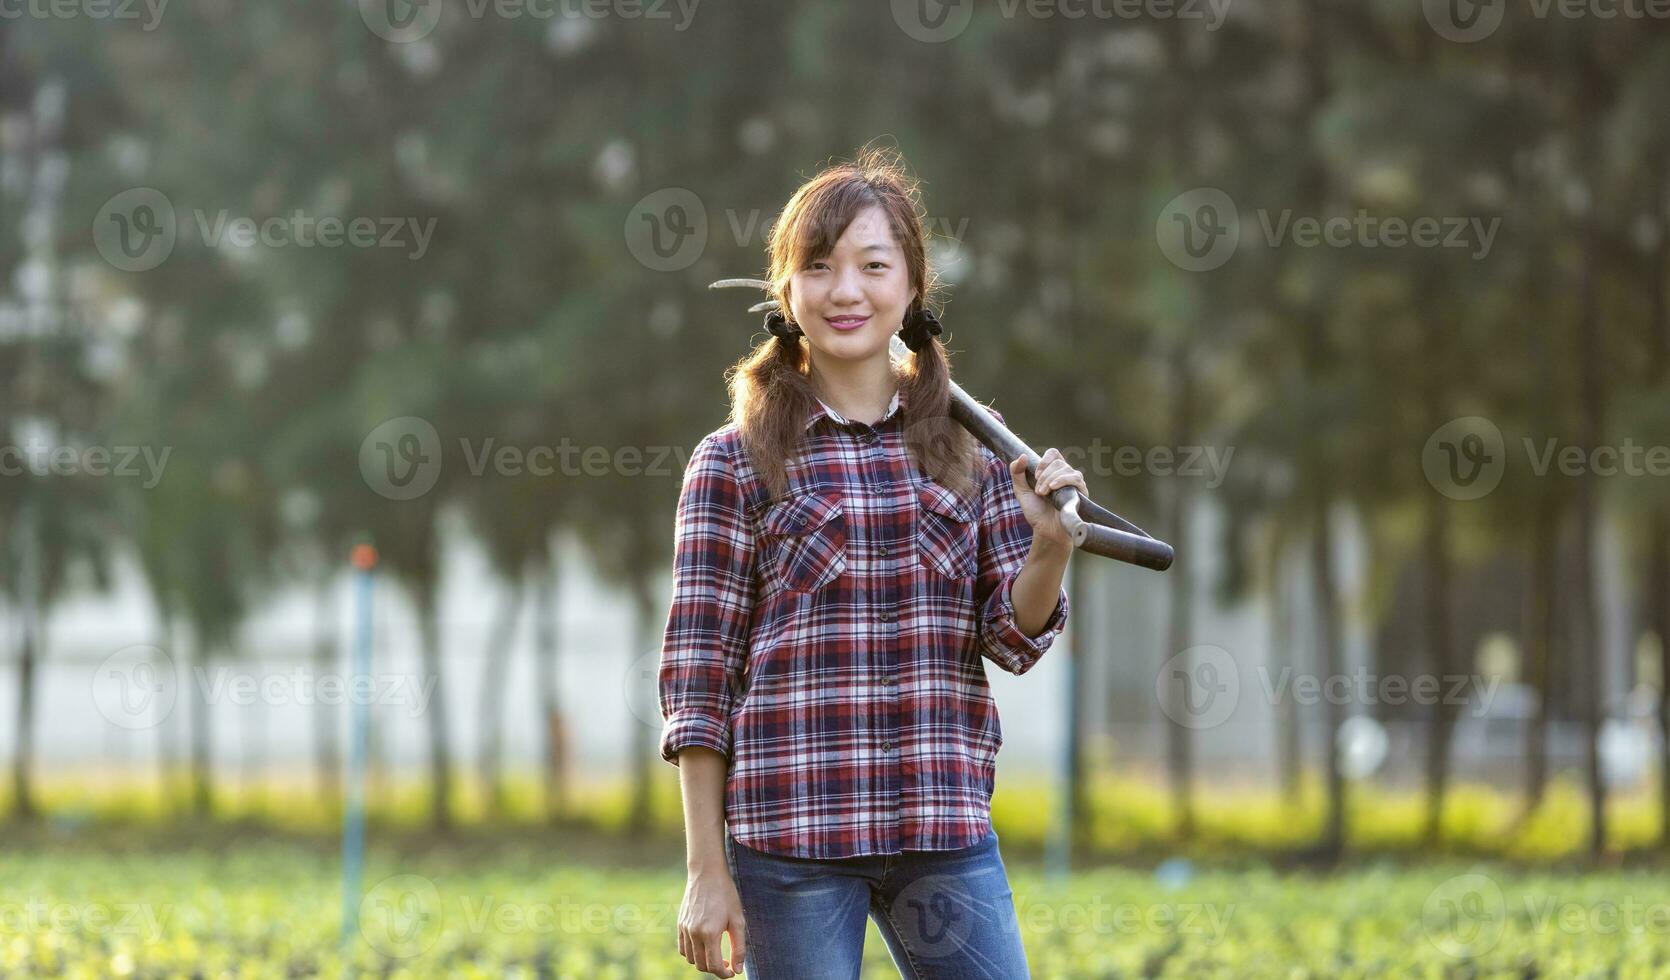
{"x":231,"y":904}
{"x":114,"y":882}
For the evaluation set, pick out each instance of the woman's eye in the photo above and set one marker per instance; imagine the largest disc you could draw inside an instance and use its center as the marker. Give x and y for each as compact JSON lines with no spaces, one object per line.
{"x":879,"y":264}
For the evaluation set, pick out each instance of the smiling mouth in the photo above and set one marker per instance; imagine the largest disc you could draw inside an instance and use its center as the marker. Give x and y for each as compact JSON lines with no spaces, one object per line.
{"x":847,"y":322}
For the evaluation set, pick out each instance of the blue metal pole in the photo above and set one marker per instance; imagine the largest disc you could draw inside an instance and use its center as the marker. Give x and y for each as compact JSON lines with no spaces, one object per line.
{"x":353,"y":816}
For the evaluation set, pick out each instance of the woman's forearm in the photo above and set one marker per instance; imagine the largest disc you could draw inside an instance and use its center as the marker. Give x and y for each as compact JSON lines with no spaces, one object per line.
{"x":1037,"y":588}
{"x":702,"y":782}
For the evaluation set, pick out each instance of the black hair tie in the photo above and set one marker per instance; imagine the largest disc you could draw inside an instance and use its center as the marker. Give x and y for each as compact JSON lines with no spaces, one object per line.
{"x":920,"y":326}
{"x":780,"y":326}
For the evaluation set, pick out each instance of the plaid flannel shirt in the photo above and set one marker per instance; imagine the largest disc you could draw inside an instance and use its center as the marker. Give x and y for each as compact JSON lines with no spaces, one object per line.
{"x":829,"y":643}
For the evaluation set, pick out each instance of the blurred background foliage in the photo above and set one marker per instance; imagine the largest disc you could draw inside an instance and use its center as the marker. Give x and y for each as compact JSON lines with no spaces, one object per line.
{"x":1054,"y":151}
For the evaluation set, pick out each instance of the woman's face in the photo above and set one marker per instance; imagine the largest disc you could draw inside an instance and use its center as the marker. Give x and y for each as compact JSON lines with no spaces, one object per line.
{"x":851,"y":302}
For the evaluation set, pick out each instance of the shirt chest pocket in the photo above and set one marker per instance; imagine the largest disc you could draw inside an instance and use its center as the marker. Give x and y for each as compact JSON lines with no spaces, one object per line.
{"x":948,"y":537}
{"x":806,"y":541}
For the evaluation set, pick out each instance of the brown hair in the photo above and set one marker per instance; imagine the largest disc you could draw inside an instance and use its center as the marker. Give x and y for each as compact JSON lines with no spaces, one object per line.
{"x":771,"y":393}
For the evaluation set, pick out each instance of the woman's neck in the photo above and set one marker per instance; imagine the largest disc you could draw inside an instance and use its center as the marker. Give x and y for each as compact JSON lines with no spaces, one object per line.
{"x":860,"y":392}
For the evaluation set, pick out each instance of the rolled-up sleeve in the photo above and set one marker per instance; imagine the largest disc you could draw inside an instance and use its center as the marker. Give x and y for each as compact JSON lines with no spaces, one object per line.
{"x":706,"y":640}
{"x":1005,"y":540}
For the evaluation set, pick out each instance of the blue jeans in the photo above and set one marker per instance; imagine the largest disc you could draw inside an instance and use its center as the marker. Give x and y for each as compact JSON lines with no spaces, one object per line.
{"x":943,"y":914}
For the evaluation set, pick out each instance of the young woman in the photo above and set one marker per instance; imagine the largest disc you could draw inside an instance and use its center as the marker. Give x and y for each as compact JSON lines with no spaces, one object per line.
{"x":845,"y":557}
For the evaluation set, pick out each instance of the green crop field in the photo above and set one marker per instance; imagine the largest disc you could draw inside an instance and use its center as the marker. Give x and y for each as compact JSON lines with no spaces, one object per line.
{"x":119,"y":884}
{"x":272,"y":908}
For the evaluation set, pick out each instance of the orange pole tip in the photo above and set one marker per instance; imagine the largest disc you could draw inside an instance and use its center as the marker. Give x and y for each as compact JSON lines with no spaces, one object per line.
{"x":364,"y":557}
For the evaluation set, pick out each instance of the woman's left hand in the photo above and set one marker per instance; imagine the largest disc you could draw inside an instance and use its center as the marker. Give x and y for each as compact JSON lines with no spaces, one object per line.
{"x":1053,"y":474}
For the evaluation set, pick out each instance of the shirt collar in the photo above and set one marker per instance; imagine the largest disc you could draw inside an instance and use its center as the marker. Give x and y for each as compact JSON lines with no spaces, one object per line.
{"x":823,"y":409}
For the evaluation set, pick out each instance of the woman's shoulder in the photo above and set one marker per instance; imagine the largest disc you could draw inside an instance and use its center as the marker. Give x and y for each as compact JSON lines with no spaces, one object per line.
{"x":724,"y":441}
{"x":720,"y":456}
{"x":716,"y":453}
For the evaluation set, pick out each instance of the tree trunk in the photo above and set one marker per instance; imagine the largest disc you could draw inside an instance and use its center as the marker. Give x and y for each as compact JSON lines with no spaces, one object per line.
{"x":1658,"y":611}
{"x":1284,"y":715}
{"x":1078,"y":691}
{"x":1314,"y":37}
{"x":29,"y":596}
{"x":440,"y":753}
{"x":1591,"y":650}
{"x":495,"y":660}
{"x":545,"y":680}
{"x":23,"y":797}
{"x":1658,"y":563}
{"x":1440,"y":641}
{"x":644,"y":636}
{"x":1179,"y":747}
{"x":169,"y":749}
{"x":1324,"y":593}
{"x":1433,"y":391}
{"x":255,"y":753}
{"x":326,"y":662}
{"x":1539,"y":646}
{"x":1542,"y":648}
{"x":202,"y":775}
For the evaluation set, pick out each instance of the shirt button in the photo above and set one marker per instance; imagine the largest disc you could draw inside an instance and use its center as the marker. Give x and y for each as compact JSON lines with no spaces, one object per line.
{"x":887,"y":746}
{"x":887,"y":616}
{"x":884,"y":550}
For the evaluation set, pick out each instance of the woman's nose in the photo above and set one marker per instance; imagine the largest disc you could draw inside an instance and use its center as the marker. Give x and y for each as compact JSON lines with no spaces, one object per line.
{"x":846,"y":288}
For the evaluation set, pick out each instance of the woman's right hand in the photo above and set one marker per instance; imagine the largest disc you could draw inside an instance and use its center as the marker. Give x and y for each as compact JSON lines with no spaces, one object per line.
{"x":712,"y":908}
